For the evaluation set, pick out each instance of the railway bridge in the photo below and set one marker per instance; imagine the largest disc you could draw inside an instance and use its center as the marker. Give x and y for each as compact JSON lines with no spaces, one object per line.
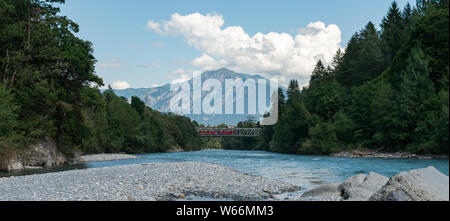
{"x":229,"y":132}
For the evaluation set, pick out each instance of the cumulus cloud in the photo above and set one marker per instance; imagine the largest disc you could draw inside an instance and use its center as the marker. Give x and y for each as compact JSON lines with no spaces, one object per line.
{"x":153,"y":25}
{"x":179,"y":76}
{"x":207,"y":62}
{"x":120,"y":85}
{"x":272,"y":53}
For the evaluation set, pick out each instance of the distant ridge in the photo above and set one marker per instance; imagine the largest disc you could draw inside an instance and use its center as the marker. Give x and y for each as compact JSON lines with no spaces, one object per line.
{"x":158,"y":98}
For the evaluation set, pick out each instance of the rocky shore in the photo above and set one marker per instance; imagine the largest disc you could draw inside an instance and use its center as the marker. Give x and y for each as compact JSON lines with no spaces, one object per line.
{"x":161,"y":181}
{"x":175,"y":181}
{"x":386,"y":155}
{"x":106,"y":157}
{"x":40,"y":154}
{"x":426,"y":184}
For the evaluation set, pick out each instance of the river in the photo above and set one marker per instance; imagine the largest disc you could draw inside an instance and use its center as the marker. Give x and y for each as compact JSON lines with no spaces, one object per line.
{"x":302,"y":170}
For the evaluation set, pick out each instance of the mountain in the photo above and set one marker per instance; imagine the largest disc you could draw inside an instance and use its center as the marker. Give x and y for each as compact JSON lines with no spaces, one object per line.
{"x":159,"y":98}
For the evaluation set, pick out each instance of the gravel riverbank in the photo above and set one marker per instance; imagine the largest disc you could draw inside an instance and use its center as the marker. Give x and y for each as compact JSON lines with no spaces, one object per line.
{"x":160,"y":181}
{"x":383,"y":155}
{"x":106,"y":157}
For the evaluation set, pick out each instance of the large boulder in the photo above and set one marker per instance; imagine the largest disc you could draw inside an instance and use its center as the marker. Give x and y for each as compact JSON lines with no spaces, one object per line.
{"x":426,"y":184}
{"x":356,"y":188}
{"x":44,"y":153}
{"x":41,"y":153}
{"x":327,"y":192}
{"x":362,"y":187}
{"x":11,"y":164}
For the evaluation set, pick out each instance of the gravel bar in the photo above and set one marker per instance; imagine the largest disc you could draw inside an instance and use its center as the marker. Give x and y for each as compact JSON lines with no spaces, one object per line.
{"x":142,"y":182}
{"x":106,"y":157}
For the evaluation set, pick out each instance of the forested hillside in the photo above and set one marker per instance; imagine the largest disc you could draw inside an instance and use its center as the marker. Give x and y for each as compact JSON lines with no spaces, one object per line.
{"x":49,"y":88}
{"x":387,"y":91}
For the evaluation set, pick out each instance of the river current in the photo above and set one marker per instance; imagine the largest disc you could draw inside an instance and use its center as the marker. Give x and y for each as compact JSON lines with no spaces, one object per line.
{"x":305,"y":171}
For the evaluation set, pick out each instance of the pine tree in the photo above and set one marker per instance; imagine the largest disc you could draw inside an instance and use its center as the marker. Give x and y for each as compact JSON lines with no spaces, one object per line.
{"x":407,"y":14}
{"x":337,"y":60}
{"x":369,"y":62}
{"x":415,"y":89}
{"x":345,"y":67}
{"x":281,"y":102}
{"x":319,"y":72}
{"x":392,"y":28}
{"x":293,"y":89}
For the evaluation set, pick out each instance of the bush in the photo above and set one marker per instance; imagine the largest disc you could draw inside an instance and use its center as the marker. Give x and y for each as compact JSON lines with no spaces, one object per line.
{"x":322,"y":140}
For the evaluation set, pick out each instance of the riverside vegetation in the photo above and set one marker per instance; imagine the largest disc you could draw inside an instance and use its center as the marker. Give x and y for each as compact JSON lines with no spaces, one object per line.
{"x":49,"y":91}
{"x":388,"y":89}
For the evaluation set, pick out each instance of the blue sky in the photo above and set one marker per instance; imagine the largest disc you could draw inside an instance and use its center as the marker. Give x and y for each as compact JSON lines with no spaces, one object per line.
{"x":129,"y":50}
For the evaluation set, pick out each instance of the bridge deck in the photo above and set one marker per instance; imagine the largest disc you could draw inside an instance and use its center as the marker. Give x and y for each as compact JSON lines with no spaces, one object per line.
{"x":229,"y":132}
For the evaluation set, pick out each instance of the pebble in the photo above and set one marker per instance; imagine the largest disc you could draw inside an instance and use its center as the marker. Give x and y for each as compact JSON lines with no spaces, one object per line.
{"x":158,"y":181}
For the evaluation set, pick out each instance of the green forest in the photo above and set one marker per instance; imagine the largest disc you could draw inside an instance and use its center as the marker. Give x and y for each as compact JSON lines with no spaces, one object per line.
{"x":49,"y":88}
{"x":387,"y":90}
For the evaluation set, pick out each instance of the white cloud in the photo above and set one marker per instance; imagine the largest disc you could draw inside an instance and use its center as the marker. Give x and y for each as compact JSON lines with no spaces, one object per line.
{"x":120,"y":85}
{"x":180,"y":79}
{"x":272,"y":53}
{"x":153,"y":25}
{"x":178,"y":71}
{"x":179,"y":76}
{"x":206,"y":62}
{"x":113,"y":65}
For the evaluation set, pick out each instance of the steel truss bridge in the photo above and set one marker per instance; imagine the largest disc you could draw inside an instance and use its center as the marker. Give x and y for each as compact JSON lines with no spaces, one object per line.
{"x":229,"y":132}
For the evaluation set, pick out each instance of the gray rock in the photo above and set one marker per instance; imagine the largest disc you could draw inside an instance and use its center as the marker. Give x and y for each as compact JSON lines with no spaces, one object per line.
{"x":398,"y":195}
{"x":356,"y":188}
{"x":44,"y":153}
{"x":14,"y":164}
{"x":426,"y":184}
{"x":175,"y":149}
{"x":362,"y":187}
{"x":353,"y":181}
{"x":327,"y":192}
{"x":384,"y":155}
{"x":41,"y":153}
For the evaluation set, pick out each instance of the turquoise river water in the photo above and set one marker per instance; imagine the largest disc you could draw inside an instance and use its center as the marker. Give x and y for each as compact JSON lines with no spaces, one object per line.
{"x":302,"y":170}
